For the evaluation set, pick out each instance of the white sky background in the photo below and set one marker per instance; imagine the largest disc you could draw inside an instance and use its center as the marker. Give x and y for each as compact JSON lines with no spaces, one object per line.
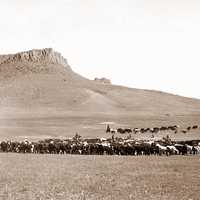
{"x":151,"y":44}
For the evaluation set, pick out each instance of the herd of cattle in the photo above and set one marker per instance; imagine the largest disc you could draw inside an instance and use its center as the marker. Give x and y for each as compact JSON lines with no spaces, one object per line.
{"x":102,"y":146}
{"x":174,"y":128}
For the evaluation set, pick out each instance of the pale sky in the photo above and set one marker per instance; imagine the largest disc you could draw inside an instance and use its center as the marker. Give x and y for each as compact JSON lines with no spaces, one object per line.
{"x":150,"y":44}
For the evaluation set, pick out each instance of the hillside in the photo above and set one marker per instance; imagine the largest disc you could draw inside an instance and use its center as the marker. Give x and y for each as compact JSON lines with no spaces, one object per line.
{"x":40,"y":95}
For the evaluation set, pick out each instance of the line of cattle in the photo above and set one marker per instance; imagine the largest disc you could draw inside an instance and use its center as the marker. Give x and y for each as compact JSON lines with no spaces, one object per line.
{"x":174,"y":128}
{"x":102,"y":147}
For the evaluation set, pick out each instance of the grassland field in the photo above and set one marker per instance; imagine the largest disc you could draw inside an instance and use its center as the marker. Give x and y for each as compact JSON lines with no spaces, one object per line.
{"x":79,"y":177}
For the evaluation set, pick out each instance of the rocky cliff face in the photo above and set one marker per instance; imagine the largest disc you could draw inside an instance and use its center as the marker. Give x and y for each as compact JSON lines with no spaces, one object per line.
{"x":33,"y":62}
{"x":47,"y":55}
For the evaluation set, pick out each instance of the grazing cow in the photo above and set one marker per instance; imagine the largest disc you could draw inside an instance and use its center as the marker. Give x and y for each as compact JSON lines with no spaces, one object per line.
{"x":182,"y":148}
{"x":41,"y":147}
{"x":156,"y":130}
{"x":13,"y":147}
{"x":142,"y":130}
{"x":150,"y":148}
{"x":113,"y":131}
{"x":188,"y":128}
{"x":139,"y":150}
{"x":144,"y":148}
{"x":52,"y":147}
{"x":121,"y":130}
{"x":130,"y":149}
{"x":172,"y":150}
{"x":162,"y":150}
{"x":25,"y":147}
{"x":146,"y":129}
{"x":189,"y":149}
{"x":184,"y":131}
{"x":196,"y":149}
{"x":163,"y":128}
{"x":151,"y":130}
{"x":172,"y":128}
{"x":128,"y":130}
{"x":136,"y":130}
{"x":195,"y":127}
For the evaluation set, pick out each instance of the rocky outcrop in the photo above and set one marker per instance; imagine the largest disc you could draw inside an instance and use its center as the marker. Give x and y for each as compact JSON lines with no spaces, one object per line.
{"x":47,"y":56}
{"x":103,"y":80}
{"x":36,"y":61}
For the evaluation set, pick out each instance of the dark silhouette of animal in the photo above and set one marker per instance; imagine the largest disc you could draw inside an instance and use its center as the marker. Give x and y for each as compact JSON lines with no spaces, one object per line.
{"x":108,"y":129}
{"x":121,"y":130}
{"x":128,"y":130}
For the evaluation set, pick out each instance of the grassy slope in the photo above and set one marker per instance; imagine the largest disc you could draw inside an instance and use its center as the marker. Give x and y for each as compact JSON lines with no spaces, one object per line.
{"x":56,"y":101}
{"x":98,"y":177}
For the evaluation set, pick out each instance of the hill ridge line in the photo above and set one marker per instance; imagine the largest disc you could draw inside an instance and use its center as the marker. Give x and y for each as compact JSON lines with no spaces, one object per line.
{"x":46,"y":55}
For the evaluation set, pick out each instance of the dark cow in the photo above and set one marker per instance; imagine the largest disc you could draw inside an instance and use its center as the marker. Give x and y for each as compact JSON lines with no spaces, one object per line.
{"x":146,"y":129}
{"x":184,"y":131}
{"x":142,"y":130}
{"x":163,"y":128}
{"x":4,"y":146}
{"x":128,"y":130}
{"x":182,"y":148}
{"x":156,"y":130}
{"x":121,"y":130}
{"x":172,"y":128}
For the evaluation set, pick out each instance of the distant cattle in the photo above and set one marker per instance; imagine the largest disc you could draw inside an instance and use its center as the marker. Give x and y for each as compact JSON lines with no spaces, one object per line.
{"x":102,"y":146}
{"x":124,"y":130}
{"x":184,"y":131}
{"x":128,"y":130}
{"x":156,"y":130}
{"x":196,"y":149}
{"x":182,"y":148}
{"x":163,"y":128}
{"x":121,"y":130}
{"x":113,"y":131}
{"x":161,"y":149}
{"x":173,"y":128}
{"x":189,"y":149}
{"x":142,"y":130}
{"x":147,"y":129}
{"x":173,"y":150}
{"x":136,"y":130}
{"x":195,"y":127}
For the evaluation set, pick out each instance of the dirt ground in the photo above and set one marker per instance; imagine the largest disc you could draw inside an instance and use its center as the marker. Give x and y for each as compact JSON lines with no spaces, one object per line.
{"x":90,"y":126}
{"x":56,"y":177}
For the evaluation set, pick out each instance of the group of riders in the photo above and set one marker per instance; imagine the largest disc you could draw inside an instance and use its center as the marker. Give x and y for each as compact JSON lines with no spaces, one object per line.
{"x":102,"y":146}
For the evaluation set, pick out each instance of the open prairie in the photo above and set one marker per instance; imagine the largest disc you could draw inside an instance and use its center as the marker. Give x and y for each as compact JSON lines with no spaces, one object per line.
{"x":41,"y":96}
{"x":90,"y":126}
{"x":31,"y":177}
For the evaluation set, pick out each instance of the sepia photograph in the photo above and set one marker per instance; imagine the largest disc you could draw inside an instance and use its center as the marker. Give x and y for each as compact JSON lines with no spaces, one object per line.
{"x":99,"y":100}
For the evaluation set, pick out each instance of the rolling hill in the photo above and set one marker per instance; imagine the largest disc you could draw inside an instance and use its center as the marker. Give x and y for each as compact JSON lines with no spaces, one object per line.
{"x":41,"y":96}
